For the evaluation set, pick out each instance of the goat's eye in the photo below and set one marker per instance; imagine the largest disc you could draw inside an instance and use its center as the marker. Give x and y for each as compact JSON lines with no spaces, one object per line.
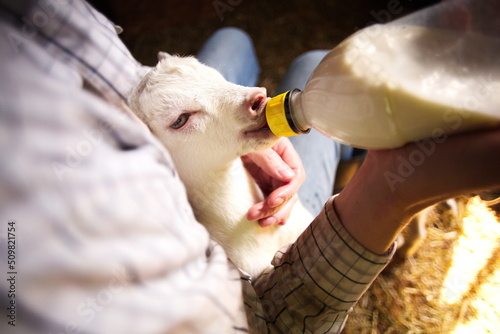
{"x":179,"y":123}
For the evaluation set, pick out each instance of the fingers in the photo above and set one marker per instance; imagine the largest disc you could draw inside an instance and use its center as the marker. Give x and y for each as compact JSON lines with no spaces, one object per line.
{"x":289,"y":155}
{"x":277,"y":206}
{"x":271,"y":163}
{"x":268,"y":216}
{"x":279,"y":173}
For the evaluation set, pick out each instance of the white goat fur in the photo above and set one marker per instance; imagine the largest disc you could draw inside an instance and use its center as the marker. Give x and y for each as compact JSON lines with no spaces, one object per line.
{"x":225,"y":122}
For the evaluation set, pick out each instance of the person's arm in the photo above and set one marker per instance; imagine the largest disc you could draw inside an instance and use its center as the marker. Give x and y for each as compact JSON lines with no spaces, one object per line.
{"x":316,"y":281}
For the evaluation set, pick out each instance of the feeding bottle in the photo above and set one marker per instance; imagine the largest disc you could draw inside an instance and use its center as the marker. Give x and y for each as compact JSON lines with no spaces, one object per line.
{"x":391,"y":84}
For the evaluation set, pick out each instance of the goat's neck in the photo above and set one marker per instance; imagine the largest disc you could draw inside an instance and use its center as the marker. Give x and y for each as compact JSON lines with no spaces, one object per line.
{"x":222,"y":195}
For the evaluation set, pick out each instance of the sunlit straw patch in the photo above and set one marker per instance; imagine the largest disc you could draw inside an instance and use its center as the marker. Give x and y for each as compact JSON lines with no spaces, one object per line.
{"x":473,"y":280}
{"x":479,"y":238}
{"x":450,"y":286}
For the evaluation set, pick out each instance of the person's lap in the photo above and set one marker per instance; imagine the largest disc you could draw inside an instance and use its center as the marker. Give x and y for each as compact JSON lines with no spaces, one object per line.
{"x":231,"y":51}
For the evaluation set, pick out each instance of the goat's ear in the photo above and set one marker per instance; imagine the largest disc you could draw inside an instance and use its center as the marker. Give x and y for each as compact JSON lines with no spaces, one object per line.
{"x":163,"y":55}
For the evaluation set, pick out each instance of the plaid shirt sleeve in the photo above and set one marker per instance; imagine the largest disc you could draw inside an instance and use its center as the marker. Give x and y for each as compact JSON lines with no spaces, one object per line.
{"x":105,"y":239}
{"x":315,"y":282}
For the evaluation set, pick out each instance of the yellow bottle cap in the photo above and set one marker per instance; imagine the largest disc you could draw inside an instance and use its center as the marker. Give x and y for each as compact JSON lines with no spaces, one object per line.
{"x":276,"y":116}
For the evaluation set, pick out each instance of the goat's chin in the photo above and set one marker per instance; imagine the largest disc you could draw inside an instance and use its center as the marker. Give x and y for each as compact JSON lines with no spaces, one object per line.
{"x":259,"y":143}
{"x":261,"y":134}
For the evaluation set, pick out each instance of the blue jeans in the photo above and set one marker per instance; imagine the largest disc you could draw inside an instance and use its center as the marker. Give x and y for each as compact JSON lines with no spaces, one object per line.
{"x":231,"y":51}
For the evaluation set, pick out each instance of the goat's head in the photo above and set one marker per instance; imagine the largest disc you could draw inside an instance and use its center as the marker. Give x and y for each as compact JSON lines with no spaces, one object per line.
{"x":198,"y":115}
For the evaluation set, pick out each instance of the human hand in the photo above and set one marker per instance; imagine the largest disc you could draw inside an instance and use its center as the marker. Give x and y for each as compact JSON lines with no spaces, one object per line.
{"x":279,"y":173}
{"x":393,"y":185}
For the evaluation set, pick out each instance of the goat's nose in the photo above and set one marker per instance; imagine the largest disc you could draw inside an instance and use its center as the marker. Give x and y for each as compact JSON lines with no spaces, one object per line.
{"x":257,"y":98}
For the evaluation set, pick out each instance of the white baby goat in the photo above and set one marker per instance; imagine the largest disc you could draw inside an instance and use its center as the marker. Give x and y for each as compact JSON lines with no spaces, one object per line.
{"x":207,"y":124}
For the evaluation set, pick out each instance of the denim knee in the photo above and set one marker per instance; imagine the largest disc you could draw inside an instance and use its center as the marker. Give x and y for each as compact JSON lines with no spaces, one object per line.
{"x":231,"y":51}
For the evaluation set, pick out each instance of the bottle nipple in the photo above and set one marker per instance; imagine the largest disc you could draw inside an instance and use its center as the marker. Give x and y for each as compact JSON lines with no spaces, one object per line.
{"x":279,"y":116}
